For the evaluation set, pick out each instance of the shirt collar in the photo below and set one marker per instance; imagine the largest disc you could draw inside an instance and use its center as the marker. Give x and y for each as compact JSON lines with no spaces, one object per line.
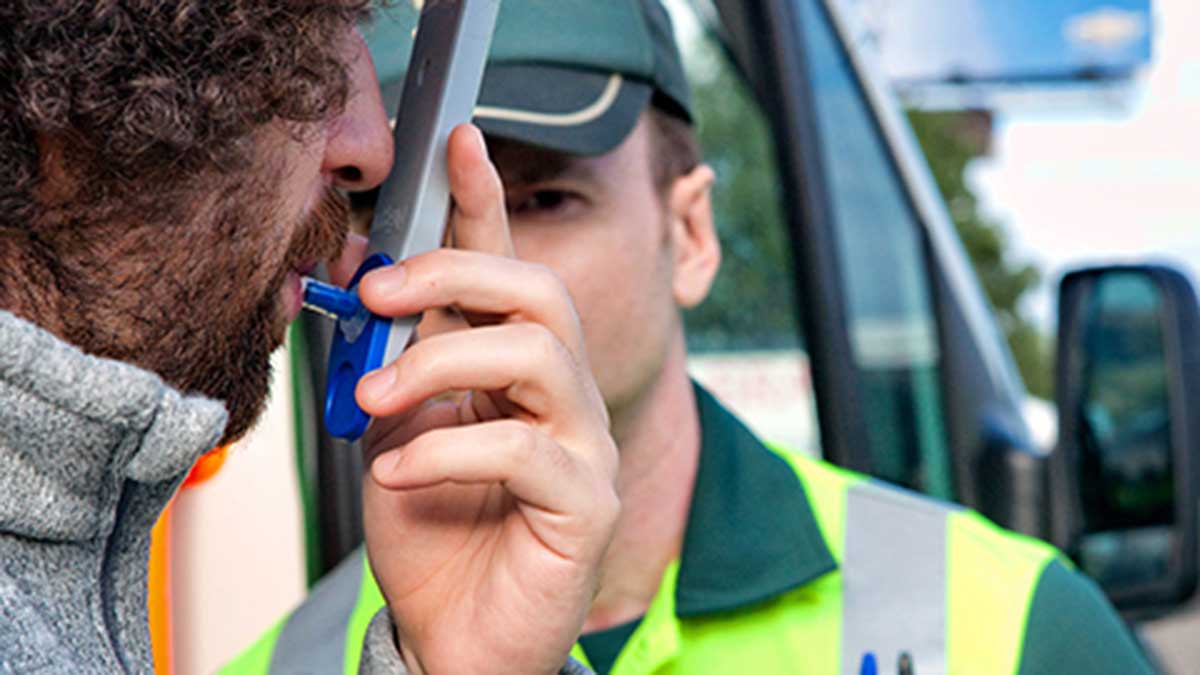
{"x":751,"y":534}
{"x":76,"y":430}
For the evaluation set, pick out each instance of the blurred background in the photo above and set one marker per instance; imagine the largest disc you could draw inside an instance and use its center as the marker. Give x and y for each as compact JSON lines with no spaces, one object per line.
{"x":1059,"y":134}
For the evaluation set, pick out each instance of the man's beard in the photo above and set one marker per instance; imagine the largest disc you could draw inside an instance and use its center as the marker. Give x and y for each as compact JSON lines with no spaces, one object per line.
{"x":197,"y":303}
{"x":234,"y":365}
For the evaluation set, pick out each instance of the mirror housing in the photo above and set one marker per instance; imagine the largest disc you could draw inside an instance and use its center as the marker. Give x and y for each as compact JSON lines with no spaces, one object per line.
{"x":1124,"y":482}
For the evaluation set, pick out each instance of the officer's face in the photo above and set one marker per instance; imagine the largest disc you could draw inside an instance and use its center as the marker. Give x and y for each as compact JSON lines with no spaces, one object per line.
{"x":601,"y":224}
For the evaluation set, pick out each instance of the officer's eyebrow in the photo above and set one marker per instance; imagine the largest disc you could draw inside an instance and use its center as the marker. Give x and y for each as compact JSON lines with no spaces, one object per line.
{"x":520,"y":165}
{"x":543,"y":172}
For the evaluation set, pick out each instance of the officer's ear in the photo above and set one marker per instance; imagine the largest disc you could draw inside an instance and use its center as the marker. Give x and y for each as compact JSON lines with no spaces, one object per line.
{"x":694,"y":243}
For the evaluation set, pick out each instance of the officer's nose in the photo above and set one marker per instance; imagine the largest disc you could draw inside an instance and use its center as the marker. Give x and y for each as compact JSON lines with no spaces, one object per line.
{"x":358,"y":147}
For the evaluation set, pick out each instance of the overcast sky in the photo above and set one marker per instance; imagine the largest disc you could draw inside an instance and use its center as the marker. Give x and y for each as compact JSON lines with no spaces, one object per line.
{"x":1080,"y":186}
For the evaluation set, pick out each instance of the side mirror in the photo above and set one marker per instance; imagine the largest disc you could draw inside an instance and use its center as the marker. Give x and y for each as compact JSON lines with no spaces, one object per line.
{"x":1128,"y":394}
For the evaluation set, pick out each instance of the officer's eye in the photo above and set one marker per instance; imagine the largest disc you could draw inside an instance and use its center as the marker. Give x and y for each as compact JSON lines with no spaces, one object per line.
{"x":543,"y":202}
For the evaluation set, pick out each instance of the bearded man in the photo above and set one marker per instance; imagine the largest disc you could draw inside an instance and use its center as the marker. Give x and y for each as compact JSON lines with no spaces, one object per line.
{"x":172,"y":168}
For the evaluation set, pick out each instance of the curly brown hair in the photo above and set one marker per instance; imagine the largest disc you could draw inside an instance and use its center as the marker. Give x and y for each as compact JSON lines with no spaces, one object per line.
{"x":140,"y":97}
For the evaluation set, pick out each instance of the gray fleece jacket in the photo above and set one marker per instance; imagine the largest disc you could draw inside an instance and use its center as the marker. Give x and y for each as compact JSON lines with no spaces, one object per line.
{"x":91,"y":450}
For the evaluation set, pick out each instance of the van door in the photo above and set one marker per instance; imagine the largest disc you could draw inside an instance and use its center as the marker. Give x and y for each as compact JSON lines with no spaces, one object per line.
{"x":913,"y":382}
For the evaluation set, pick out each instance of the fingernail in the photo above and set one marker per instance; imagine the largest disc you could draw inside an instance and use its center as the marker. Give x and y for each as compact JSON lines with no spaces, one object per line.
{"x":376,"y":385}
{"x":480,"y":142}
{"x":386,"y":466}
{"x":389,"y":280}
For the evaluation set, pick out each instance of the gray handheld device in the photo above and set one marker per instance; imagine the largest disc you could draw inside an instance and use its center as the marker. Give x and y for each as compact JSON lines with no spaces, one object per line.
{"x":440,"y":91}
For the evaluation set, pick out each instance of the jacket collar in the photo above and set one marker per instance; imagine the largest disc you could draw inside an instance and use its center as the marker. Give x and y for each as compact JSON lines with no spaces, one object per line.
{"x":751,"y":533}
{"x":75,"y":430}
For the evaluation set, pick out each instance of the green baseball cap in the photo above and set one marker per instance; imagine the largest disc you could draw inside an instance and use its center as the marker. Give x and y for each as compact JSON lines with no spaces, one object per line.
{"x":567,"y":75}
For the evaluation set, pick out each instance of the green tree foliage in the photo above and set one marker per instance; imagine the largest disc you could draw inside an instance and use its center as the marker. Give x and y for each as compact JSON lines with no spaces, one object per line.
{"x":752,"y":304}
{"x":950,"y":140}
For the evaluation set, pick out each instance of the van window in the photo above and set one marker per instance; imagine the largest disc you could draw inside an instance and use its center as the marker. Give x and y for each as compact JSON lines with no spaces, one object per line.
{"x":893,"y":329}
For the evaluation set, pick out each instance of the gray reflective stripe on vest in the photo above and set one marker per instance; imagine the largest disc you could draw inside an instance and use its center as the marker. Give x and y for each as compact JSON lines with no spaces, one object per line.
{"x":314,"y":638}
{"x":894,"y":580}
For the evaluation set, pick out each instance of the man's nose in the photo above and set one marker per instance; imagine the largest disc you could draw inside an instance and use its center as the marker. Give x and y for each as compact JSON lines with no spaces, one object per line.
{"x":358,"y":148}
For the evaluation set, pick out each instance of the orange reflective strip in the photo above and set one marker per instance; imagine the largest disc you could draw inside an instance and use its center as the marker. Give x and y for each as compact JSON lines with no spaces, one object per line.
{"x":160,"y":594}
{"x":206,"y":467}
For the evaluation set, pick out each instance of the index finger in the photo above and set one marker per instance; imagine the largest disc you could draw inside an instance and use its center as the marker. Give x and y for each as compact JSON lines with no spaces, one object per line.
{"x":479,"y":220}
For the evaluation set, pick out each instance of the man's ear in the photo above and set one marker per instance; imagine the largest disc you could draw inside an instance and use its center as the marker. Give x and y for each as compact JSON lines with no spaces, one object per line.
{"x":694,"y":243}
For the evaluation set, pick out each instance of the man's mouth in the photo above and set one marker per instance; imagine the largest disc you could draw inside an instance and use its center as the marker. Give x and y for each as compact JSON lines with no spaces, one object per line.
{"x":321,"y":237}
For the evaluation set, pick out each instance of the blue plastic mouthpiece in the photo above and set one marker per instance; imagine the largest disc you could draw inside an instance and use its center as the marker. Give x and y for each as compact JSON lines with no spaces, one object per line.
{"x":330,"y":300}
{"x":359,"y":346}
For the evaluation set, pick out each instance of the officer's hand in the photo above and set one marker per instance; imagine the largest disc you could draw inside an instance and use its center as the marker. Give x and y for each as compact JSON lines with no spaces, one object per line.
{"x":490,"y":500}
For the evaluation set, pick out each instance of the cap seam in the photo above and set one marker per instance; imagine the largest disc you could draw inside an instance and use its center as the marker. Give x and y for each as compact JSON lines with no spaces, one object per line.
{"x":589,"y":113}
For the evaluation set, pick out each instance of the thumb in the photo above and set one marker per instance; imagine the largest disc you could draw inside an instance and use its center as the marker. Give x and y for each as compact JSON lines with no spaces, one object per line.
{"x":479,"y":221}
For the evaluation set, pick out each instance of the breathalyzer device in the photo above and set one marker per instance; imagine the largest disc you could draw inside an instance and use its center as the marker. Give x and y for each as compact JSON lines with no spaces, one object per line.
{"x":440,"y":91}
